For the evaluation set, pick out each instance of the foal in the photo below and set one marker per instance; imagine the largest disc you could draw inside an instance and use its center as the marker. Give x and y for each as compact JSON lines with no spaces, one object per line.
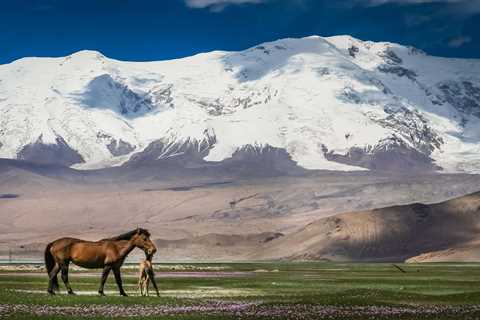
{"x":146,"y":275}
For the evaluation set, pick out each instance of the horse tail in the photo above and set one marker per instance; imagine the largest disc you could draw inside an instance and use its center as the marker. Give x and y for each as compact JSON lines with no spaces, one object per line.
{"x":50,"y":264}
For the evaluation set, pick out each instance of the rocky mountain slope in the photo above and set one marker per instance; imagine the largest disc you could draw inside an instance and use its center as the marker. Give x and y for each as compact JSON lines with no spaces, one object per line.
{"x":447,"y":231}
{"x":334,"y":103}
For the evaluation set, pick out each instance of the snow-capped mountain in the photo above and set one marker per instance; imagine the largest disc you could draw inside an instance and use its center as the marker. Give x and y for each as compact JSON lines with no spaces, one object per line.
{"x":333,"y":103}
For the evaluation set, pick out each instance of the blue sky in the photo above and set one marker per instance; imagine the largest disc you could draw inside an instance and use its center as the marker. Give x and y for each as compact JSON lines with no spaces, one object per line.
{"x":165,"y":29}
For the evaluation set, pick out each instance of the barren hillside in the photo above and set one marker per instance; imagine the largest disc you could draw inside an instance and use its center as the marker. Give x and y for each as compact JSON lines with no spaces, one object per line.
{"x":438,"y":232}
{"x":223,"y":216}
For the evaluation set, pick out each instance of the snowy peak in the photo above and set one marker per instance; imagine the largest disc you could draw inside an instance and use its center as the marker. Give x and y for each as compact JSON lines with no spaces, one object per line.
{"x":335,"y":103}
{"x":86,"y":55}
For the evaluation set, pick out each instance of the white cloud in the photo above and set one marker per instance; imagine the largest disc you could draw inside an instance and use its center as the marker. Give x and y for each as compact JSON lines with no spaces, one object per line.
{"x":464,"y":7}
{"x":459,"y":41}
{"x":459,"y":7}
{"x":380,"y":2}
{"x":217,"y":5}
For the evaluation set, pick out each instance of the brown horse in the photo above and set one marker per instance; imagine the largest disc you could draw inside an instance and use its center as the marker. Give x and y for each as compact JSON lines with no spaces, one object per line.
{"x":108,"y":254}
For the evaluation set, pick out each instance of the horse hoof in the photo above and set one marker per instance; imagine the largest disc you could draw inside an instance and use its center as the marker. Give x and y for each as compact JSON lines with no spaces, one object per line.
{"x":72,"y":293}
{"x":123,"y":294}
{"x":101,"y":293}
{"x":51,"y":292}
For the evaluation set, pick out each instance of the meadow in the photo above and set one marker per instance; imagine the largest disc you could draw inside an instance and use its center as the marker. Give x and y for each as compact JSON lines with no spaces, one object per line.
{"x":270,"y":290}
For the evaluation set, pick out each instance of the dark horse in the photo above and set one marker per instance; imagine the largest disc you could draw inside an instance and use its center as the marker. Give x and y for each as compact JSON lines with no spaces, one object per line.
{"x":108,"y":254}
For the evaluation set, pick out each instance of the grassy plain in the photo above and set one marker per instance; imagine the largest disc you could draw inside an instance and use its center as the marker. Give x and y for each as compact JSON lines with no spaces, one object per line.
{"x":277,"y":290}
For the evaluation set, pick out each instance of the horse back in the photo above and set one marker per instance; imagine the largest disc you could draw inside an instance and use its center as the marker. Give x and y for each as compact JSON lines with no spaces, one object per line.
{"x":60,"y":248}
{"x":88,"y":254}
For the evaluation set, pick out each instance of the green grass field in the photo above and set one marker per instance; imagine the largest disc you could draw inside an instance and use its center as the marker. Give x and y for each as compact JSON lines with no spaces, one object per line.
{"x":257,"y":290}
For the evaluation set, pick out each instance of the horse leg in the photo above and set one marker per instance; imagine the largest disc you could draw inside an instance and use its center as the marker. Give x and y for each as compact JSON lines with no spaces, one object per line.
{"x":144,"y":291}
{"x":118,"y":279}
{"x":144,"y":286}
{"x":141,"y":282}
{"x":147,"y":285}
{"x":64,"y":269}
{"x":155,"y":286}
{"x":51,"y":276}
{"x":140,"y":286}
{"x":151,"y":277}
{"x":106,"y":271}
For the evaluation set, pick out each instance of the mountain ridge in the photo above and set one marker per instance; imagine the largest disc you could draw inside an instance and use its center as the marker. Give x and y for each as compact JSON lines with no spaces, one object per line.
{"x":334,"y":103}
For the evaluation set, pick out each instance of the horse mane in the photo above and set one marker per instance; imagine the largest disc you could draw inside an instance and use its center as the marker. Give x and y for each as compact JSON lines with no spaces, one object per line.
{"x":128,"y":235}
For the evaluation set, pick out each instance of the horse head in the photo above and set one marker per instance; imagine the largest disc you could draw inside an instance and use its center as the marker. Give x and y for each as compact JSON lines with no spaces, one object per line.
{"x":141,"y":239}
